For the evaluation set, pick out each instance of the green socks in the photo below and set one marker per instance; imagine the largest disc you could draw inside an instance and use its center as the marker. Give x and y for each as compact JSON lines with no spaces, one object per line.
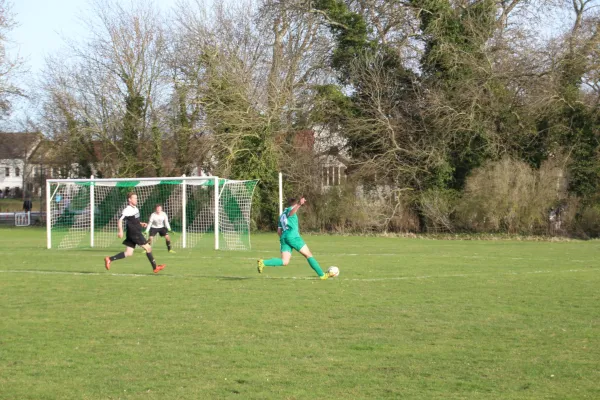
{"x":273,"y":262}
{"x":315,"y":265}
{"x":278,"y":262}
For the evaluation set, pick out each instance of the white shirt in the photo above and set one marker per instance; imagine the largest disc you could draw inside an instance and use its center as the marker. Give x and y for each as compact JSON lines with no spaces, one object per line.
{"x":130,"y":211}
{"x":131,"y":215}
{"x":158,"y":221}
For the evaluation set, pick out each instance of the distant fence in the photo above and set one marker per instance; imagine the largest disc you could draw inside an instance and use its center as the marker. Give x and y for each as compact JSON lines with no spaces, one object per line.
{"x":8,"y":218}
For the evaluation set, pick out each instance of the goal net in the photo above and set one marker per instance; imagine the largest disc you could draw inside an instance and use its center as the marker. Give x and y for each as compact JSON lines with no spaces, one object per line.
{"x":204,"y":212}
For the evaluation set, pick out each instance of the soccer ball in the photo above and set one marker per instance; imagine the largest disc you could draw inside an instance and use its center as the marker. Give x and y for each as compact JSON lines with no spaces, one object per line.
{"x":333,"y":271}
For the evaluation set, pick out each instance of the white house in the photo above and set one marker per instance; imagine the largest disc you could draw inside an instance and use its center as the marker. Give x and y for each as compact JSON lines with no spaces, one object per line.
{"x":15,"y":169}
{"x":330,"y":147}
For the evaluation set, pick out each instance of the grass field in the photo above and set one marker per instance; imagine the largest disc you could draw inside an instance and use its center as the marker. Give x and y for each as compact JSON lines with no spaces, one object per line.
{"x":406,"y":319}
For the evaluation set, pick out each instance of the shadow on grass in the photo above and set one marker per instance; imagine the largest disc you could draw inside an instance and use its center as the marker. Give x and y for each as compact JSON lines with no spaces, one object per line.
{"x":231,"y":278}
{"x":127,"y":274}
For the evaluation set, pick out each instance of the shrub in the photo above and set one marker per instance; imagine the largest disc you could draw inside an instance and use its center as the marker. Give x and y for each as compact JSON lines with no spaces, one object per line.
{"x":509,"y":196}
{"x":353,"y":209}
{"x":437,"y":207}
{"x":588,"y":222}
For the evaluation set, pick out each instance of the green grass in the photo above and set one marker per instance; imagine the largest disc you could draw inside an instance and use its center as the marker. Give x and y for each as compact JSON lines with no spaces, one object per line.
{"x":407,"y":318}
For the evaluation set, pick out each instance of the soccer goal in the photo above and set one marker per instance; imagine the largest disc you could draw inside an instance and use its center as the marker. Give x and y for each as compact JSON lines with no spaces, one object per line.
{"x":204,"y":212}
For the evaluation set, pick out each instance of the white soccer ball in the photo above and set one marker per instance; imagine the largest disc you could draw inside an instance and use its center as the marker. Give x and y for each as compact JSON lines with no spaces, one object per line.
{"x":333,"y":271}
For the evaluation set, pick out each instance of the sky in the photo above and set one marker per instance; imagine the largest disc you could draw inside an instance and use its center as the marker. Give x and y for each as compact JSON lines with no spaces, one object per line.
{"x":43,"y":26}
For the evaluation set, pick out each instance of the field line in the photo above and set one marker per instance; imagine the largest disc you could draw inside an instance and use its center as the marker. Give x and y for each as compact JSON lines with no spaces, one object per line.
{"x":397,"y":278}
{"x":224,"y":277}
{"x":325,"y":255}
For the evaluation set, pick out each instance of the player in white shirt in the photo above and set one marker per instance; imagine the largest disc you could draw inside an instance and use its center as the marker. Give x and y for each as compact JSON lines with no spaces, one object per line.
{"x":159,"y":223}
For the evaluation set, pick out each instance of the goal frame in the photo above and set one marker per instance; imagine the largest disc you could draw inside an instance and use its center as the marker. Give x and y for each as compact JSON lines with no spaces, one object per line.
{"x":92,"y":180}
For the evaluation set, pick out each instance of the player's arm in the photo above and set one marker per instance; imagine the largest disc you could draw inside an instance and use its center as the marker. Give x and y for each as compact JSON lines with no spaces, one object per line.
{"x":167,"y":222}
{"x":120,"y":226}
{"x":297,"y":207}
{"x":149,"y":223}
{"x":279,"y":227}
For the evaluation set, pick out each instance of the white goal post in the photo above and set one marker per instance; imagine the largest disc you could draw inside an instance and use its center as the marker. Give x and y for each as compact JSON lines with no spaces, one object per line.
{"x":207,"y":212}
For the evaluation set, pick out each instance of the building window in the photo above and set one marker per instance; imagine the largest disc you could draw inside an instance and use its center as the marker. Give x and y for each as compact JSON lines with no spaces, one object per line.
{"x":17,"y":171}
{"x":7,"y":172}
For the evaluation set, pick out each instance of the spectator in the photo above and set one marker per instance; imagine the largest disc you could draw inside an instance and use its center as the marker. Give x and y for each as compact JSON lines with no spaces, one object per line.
{"x":27,"y":206}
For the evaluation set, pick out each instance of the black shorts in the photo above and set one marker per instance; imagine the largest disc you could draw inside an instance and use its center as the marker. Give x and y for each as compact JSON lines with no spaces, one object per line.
{"x":161,"y":231}
{"x":136,"y":239}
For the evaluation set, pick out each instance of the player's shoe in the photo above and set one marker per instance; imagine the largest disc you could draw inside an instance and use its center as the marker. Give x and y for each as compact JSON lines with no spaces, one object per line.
{"x":107,"y":263}
{"x":260,"y":265}
{"x":159,"y":268}
{"x":171,"y":251}
{"x":326,"y":275}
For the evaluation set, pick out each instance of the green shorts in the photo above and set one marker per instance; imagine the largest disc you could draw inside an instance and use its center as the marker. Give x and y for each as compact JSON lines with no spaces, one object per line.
{"x":289,"y":243}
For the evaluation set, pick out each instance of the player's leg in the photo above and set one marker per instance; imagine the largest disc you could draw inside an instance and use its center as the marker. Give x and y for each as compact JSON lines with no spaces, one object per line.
{"x":149,"y":240}
{"x":286,"y":254}
{"x":119,"y":256}
{"x":275,"y":262}
{"x":151,"y":236}
{"x":279,"y":262}
{"x":314,"y":264}
{"x":148,"y":249}
{"x":168,"y":241}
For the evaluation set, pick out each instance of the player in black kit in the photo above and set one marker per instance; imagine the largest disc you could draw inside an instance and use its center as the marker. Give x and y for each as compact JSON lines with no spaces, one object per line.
{"x":134,"y":236}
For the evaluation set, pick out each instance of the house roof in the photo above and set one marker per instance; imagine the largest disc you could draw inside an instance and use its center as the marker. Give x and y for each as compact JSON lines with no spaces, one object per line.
{"x":45,"y":153}
{"x":17,"y":145}
{"x":103,"y":155}
{"x":52,"y":152}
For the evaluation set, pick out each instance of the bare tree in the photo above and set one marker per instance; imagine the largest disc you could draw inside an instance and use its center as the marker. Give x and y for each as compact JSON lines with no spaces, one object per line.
{"x":9,"y":67}
{"x":119,"y":77}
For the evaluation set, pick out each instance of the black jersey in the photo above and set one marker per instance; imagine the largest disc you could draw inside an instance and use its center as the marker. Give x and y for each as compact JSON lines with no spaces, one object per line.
{"x":131,"y":215}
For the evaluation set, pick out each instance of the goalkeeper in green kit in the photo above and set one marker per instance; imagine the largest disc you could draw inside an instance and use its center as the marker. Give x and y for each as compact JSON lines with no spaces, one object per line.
{"x":289,"y":238}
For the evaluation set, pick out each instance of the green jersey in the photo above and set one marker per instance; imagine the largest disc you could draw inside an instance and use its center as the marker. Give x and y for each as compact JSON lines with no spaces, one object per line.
{"x":289,"y":225}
